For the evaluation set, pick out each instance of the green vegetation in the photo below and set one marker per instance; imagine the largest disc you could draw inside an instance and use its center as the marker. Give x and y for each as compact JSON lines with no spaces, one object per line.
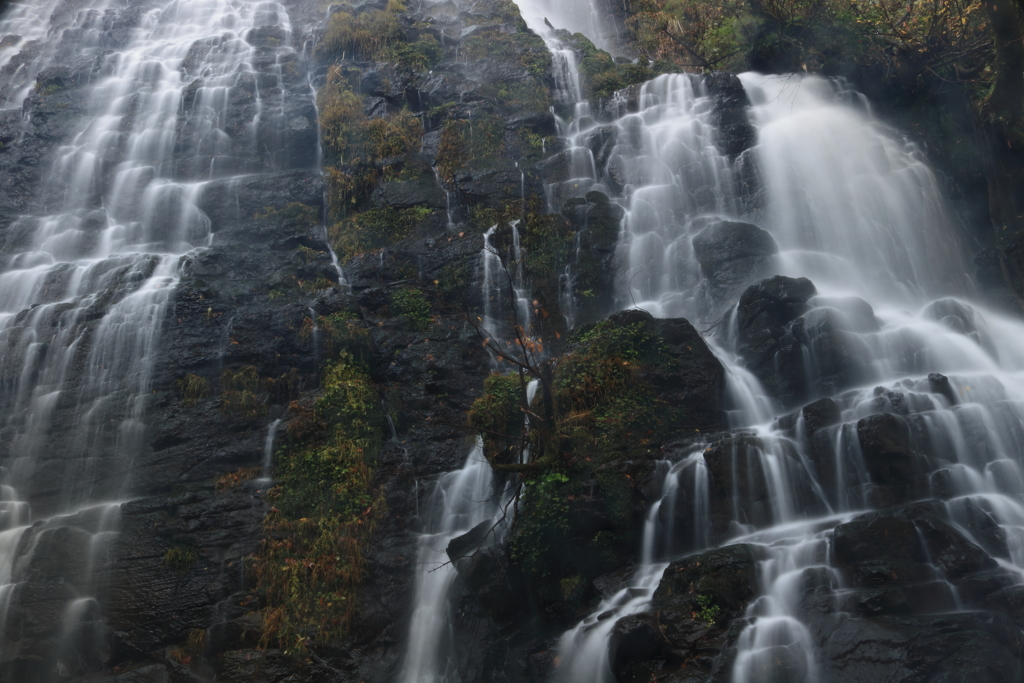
{"x":341,"y":331}
{"x":602,"y":75}
{"x":950,"y":40}
{"x":359,"y":151}
{"x":598,"y":387}
{"x":291,"y":213}
{"x":498,"y":417}
{"x":362,"y":34}
{"x":522,"y":47}
{"x":180,"y":558}
{"x":243,"y":393}
{"x":230,"y":480}
{"x":193,"y":389}
{"x":543,"y":526}
{"x":594,"y":415}
{"x":412,"y":308}
{"x":706,"y":611}
{"x":312,"y":559}
{"x":421,"y":55}
{"x":352,"y":137}
{"x":374,"y":229}
{"x":453,"y":281}
{"x":465,"y":141}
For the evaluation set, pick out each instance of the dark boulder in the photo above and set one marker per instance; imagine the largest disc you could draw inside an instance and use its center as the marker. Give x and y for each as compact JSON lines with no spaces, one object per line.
{"x":822,"y":413}
{"x":798,"y":346}
{"x":731,"y":256}
{"x":743,"y":492}
{"x":908,"y":544}
{"x":688,"y":376}
{"x":961,"y":318}
{"x":894,"y":465}
{"x":939,"y":384}
{"x":764,"y":320}
{"x":856,"y":314}
{"x":728,"y":574}
{"x":488,"y":572}
{"x":729,"y":113}
{"x":836,"y":357}
{"x":970,"y":647}
{"x":694,"y":381}
{"x":539,"y":122}
{"x":691,"y":618}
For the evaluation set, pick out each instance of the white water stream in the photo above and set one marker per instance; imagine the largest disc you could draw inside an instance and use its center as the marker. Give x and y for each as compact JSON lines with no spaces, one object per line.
{"x":855,"y":208}
{"x":457,"y":502}
{"x":87,"y":278}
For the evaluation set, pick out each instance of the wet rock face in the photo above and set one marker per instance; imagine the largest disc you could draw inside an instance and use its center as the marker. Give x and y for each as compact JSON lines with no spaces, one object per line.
{"x":732,"y":255}
{"x":688,"y":624}
{"x":736,"y":134}
{"x":800,"y":345}
{"x":745,"y":494}
{"x":764,"y":320}
{"x":489,"y":573}
{"x":596,"y":222}
{"x":971,"y":646}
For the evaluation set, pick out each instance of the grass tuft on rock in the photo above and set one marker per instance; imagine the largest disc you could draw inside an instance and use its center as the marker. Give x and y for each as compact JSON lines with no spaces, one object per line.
{"x":312,"y":559}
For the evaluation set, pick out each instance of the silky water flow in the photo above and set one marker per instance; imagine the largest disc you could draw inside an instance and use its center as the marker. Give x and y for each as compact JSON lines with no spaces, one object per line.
{"x":88,"y":274}
{"x":854,"y":207}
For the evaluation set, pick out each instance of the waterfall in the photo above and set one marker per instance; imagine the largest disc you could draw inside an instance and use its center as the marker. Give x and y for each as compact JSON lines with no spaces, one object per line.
{"x":585,"y":646}
{"x":850,"y":204}
{"x":88,"y":274}
{"x":267,"y":469}
{"x":593,"y":18}
{"x":456,"y":503}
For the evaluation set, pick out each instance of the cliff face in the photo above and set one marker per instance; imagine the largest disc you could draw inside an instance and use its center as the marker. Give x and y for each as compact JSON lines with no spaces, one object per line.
{"x":366,"y":204}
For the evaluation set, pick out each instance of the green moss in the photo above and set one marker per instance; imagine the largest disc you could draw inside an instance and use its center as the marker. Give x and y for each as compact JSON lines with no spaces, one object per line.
{"x":707,"y":611}
{"x":454,"y":280}
{"x":608,"y":417}
{"x":528,"y":95}
{"x":602,"y":75}
{"x":312,"y":561}
{"x":292,"y":213}
{"x":375,"y":228}
{"x":466,"y":142}
{"x":349,"y":137}
{"x":243,"y":393}
{"x":543,"y":525}
{"x":180,"y":558}
{"x":193,"y":389}
{"x":498,"y":417}
{"x":361,"y":34}
{"x":342,"y":332}
{"x":412,"y":308}
{"x":421,"y":55}
{"x":521,"y":47}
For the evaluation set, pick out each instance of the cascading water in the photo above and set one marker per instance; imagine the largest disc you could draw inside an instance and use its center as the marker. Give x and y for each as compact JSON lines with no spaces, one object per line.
{"x":504,"y":288}
{"x":456,"y":503}
{"x":850,"y":205}
{"x":88,"y":276}
{"x":585,"y":647}
{"x":592,"y":18}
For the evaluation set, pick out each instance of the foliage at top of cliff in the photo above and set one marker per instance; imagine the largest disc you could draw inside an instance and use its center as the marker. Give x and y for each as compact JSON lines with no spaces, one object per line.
{"x":951,"y":39}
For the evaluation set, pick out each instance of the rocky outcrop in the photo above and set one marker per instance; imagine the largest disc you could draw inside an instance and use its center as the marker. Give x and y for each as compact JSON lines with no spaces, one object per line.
{"x":690,"y":622}
{"x":596,"y":222}
{"x":799,"y":345}
{"x":731,"y":256}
